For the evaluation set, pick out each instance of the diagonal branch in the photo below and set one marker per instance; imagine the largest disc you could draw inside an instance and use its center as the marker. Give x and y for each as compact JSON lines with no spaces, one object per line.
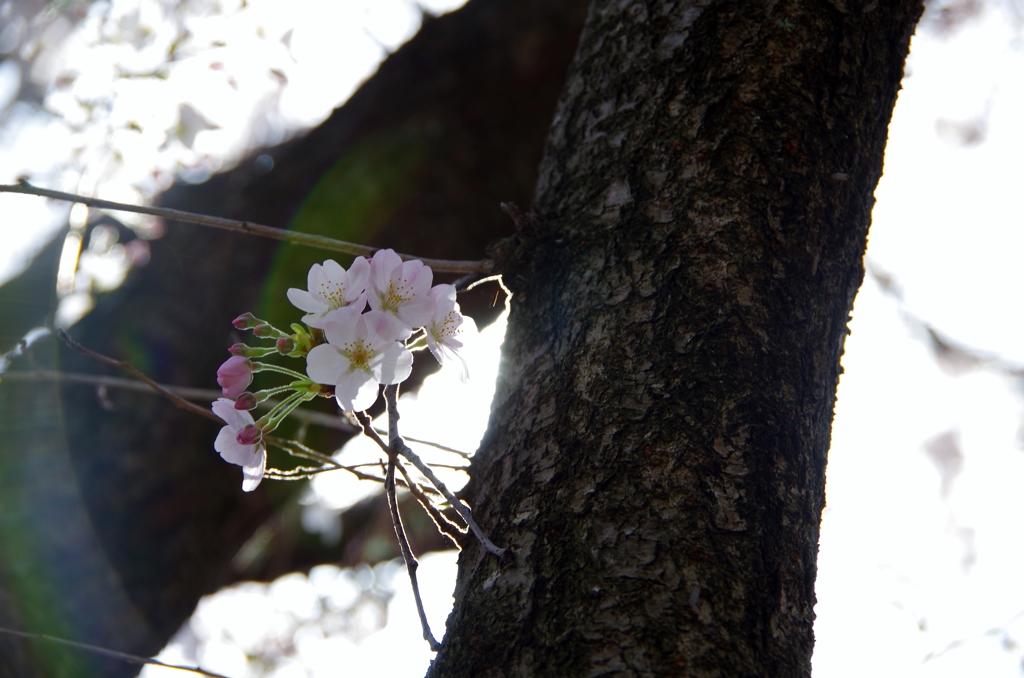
{"x":308,"y":239}
{"x":130,"y":369}
{"x":398,"y":446}
{"x":411,"y":564}
{"x":95,"y":649}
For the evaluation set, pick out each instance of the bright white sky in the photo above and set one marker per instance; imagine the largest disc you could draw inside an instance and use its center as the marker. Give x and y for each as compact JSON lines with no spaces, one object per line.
{"x":905,"y":573}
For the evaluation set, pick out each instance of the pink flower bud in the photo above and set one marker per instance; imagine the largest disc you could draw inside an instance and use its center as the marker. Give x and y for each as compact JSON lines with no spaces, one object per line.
{"x":250,"y":435}
{"x":246,"y":321}
{"x":234,"y":375}
{"x":238,"y":349}
{"x":245,"y":401}
{"x":285,"y":345}
{"x":264,"y":331}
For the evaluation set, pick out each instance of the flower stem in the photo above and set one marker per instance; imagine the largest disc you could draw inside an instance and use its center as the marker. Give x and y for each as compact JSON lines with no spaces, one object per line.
{"x":273,"y":419}
{"x":270,"y":367}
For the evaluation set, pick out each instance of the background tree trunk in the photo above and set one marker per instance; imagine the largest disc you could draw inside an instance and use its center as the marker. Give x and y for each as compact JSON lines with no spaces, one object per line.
{"x":116,"y":514}
{"x":656,"y":454}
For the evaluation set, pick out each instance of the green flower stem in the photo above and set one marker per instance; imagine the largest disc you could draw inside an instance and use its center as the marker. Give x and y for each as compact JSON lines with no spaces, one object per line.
{"x":267,"y":392}
{"x":273,"y":419}
{"x":258,"y":351}
{"x":269,"y":367}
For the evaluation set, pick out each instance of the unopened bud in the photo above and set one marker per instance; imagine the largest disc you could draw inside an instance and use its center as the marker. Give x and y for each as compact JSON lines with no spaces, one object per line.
{"x":245,"y":401}
{"x":239,"y":349}
{"x":265,"y":331}
{"x":285,"y":345}
{"x":250,"y":435}
{"x":246,"y":321}
{"x":234,"y":375}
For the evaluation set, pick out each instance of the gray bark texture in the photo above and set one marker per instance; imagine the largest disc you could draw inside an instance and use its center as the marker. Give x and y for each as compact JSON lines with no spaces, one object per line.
{"x":656,"y":453}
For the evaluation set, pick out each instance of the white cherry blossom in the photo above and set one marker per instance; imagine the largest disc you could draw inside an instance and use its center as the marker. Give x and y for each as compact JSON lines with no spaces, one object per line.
{"x":362,"y":352}
{"x":400,"y":289}
{"x":444,"y":328}
{"x":230,"y":443}
{"x":331,"y":287}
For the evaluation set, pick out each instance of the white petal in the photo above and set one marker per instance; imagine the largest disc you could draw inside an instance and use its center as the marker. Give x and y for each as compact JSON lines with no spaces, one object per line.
{"x":394,"y":365}
{"x":417,"y":312}
{"x":340,"y":324}
{"x":236,"y":419}
{"x":358,"y":277}
{"x":381,"y":329}
{"x":455,"y":355}
{"x":382,"y":265}
{"x":304,"y":301}
{"x":315,"y":280}
{"x":232,"y":451}
{"x":325,"y":365}
{"x":317,"y":320}
{"x":252,"y":475}
{"x":417,"y":276}
{"x":443,"y":297}
{"x":333,"y":271}
{"x":356,"y":391}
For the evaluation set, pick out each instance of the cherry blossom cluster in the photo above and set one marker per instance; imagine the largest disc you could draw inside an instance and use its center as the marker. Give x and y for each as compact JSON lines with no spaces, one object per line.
{"x":361,"y":329}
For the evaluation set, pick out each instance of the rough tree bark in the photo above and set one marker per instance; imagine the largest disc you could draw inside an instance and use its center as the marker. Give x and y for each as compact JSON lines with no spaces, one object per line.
{"x":656,"y":454}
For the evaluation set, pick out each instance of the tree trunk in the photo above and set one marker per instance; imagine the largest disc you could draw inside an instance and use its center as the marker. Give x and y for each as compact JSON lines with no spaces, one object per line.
{"x":656,"y":454}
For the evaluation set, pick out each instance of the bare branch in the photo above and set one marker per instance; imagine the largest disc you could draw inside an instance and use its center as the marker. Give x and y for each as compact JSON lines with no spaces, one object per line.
{"x":124,"y":656}
{"x":197,"y":394}
{"x":398,"y":446}
{"x":370,"y":431}
{"x":444,"y":525}
{"x":130,"y":369}
{"x":308,"y":239}
{"x":411,"y":564}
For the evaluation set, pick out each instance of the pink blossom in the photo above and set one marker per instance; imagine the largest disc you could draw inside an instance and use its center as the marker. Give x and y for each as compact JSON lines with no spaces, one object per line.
{"x":400,"y":289}
{"x":331,"y":287}
{"x":444,"y":328}
{"x":362,"y":352}
{"x":232,"y":443}
{"x":234,"y":376}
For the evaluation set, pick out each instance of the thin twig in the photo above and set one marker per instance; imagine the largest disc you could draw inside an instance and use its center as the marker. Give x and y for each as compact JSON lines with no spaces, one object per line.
{"x":297,"y":449}
{"x":299,"y":473}
{"x":443,"y":523}
{"x":95,"y":649}
{"x":308,"y":239}
{"x":493,"y":278}
{"x":398,"y":446}
{"x":438,"y":446}
{"x":200,"y":394}
{"x":364,"y":420}
{"x":456,"y":503}
{"x":411,"y":564}
{"x":130,"y":369}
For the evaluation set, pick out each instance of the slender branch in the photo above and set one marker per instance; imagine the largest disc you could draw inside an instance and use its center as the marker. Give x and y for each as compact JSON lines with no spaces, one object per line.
{"x":398,"y":446}
{"x":200,"y":394}
{"x":308,"y":239}
{"x":436,"y":446}
{"x":300,"y":473}
{"x":124,"y":656}
{"x":444,"y":525}
{"x":297,"y":449}
{"x":364,"y":420}
{"x":411,"y":564}
{"x":130,"y":369}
